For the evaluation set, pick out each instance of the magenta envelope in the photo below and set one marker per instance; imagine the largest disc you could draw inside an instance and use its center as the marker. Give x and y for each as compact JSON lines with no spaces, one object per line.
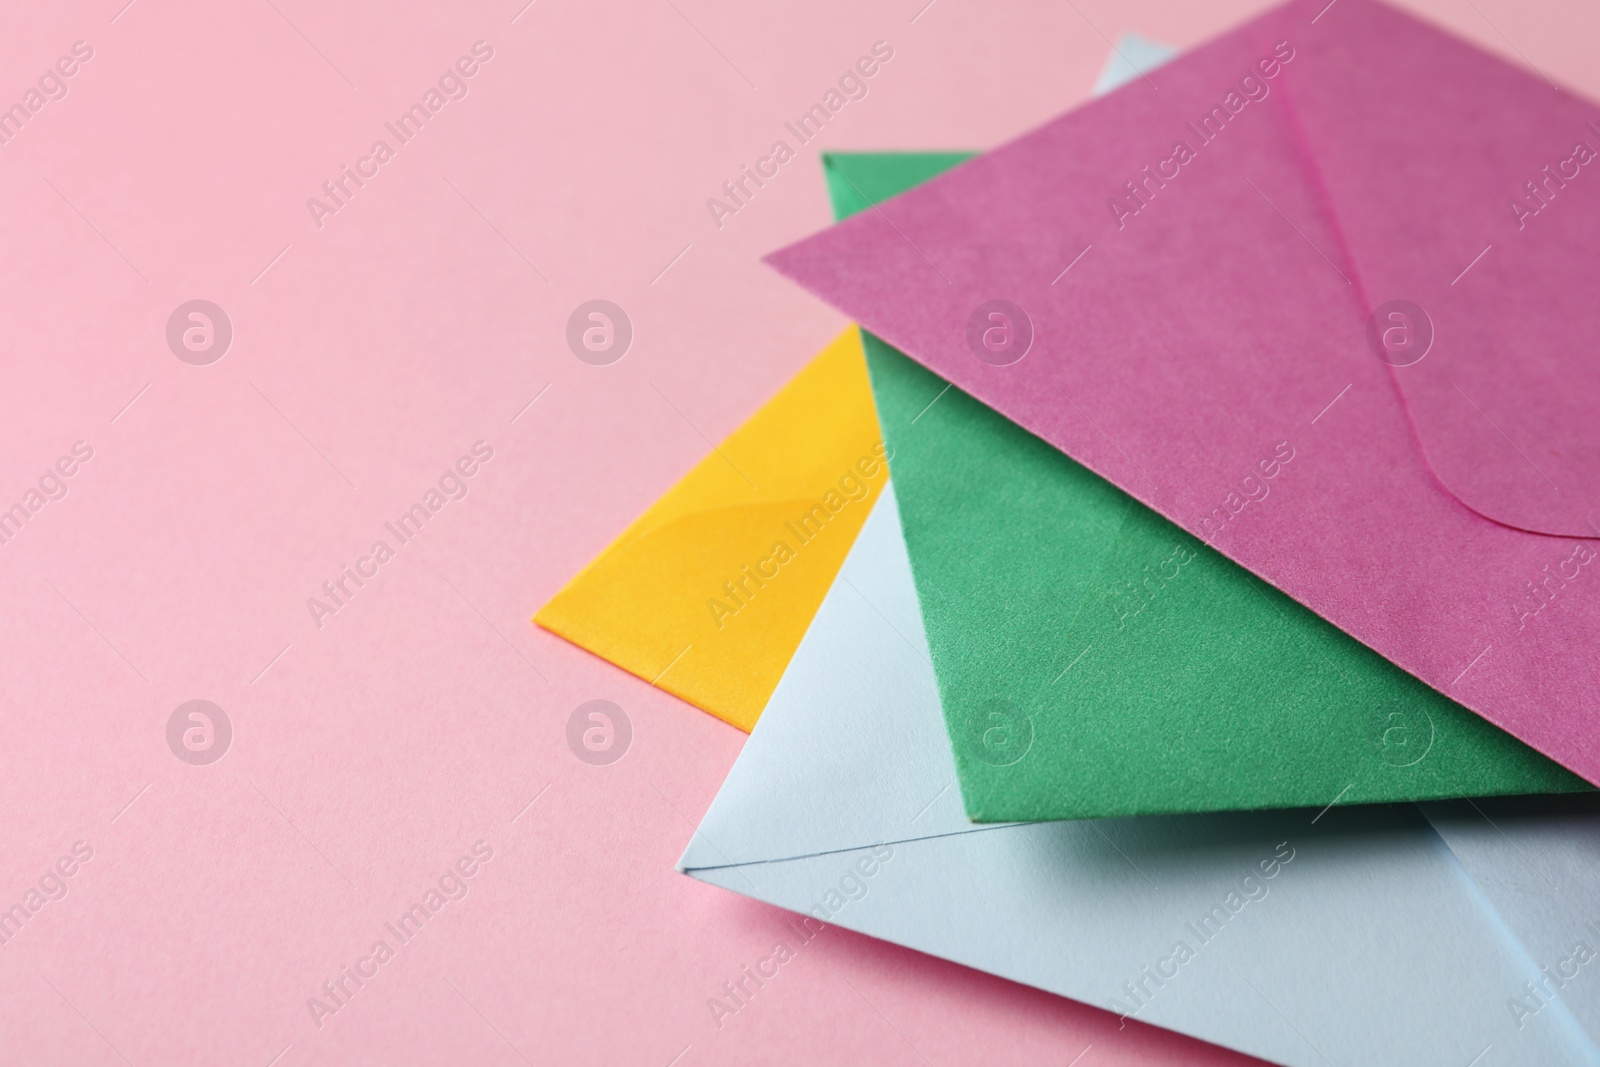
{"x":1323,"y":292}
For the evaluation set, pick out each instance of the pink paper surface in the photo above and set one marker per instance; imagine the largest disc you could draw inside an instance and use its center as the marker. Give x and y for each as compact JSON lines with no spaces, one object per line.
{"x":1208,"y":351}
{"x":370,"y":754}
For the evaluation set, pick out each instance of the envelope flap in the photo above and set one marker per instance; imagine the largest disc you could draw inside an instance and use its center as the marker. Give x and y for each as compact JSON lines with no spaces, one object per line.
{"x":707,"y":593}
{"x":1469,"y":194}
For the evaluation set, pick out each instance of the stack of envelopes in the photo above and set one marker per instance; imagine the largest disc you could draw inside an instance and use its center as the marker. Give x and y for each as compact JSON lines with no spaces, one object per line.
{"x":1176,"y":595}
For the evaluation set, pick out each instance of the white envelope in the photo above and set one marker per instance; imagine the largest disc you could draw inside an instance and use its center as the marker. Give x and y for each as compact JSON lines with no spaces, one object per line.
{"x":1347,"y":936}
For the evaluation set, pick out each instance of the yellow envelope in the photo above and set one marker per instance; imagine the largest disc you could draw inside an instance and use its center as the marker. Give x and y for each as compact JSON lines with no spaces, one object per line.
{"x":708,"y":593}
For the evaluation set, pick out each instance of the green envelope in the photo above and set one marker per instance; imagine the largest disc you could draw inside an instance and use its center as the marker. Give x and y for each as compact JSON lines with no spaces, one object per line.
{"x":1095,"y":660}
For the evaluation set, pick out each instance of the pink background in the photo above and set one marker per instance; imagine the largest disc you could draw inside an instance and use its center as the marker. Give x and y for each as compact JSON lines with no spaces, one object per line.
{"x":428,"y":712}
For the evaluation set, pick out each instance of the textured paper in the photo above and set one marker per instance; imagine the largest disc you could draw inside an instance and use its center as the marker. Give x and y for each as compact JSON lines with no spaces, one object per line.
{"x":1209,"y":352}
{"x":709,"y":591}
{"x":1095,"y":660}
{"x":842,"y":809}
